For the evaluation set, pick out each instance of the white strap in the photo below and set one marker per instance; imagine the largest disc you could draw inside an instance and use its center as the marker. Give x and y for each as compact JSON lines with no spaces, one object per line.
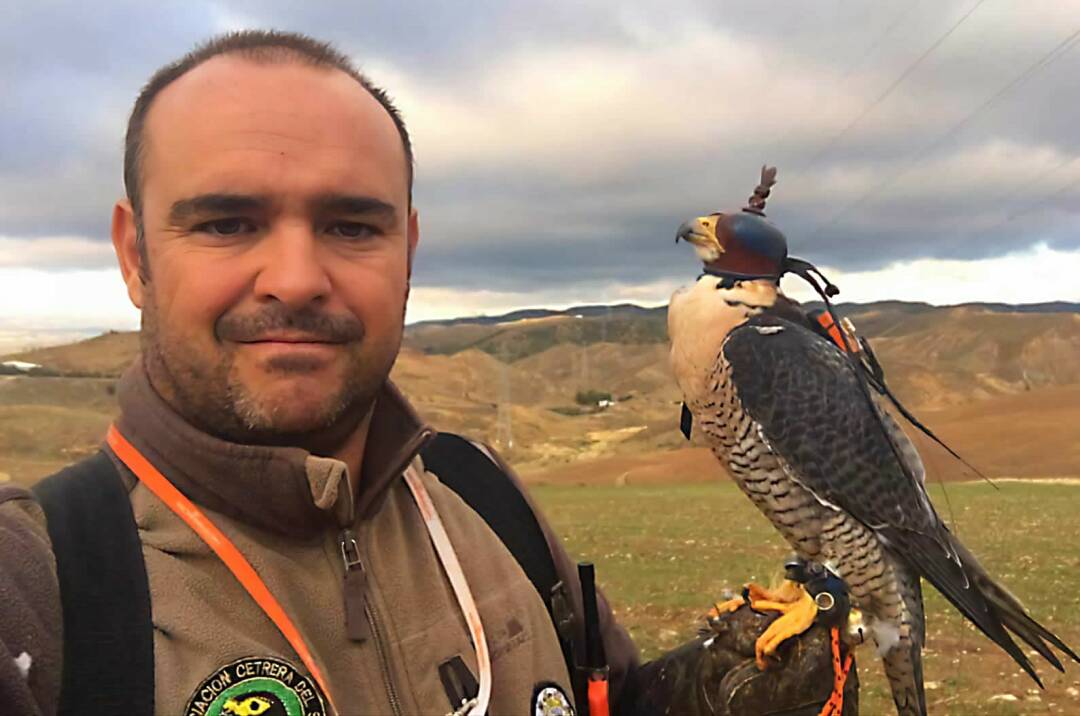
{"x":479,"y":705}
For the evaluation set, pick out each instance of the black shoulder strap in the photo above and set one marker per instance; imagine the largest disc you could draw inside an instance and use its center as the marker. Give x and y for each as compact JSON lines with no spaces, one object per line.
{"x":483,"y":485}
{"x":108,"y":632}
{"x":466,"y":470}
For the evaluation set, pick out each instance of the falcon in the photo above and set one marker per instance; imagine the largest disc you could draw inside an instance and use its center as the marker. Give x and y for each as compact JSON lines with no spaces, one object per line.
{"x":790,"y":413}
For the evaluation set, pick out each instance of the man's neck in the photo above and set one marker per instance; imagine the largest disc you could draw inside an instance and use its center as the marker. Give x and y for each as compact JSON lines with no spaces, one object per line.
{"x":344,"y":440}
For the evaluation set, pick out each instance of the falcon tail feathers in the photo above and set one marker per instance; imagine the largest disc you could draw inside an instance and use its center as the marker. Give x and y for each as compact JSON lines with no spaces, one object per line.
{"x":1012,"y":613}
{"x":959,"y":585}
{"x":991,"y":608}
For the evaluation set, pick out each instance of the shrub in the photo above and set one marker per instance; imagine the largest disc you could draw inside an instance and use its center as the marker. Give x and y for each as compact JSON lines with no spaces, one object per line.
{"x":591,"y":397}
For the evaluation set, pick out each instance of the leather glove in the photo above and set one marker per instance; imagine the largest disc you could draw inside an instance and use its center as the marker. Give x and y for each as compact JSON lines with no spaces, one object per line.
{"x":715,"y":674}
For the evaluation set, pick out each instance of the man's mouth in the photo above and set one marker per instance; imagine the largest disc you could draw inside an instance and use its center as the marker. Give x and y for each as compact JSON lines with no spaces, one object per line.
{"x":290,"y":348}
{"x":291,"y":338}
{"x":291,"y":354}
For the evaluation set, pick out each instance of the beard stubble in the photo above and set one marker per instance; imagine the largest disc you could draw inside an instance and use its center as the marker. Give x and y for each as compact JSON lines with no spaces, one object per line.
{"x":209,"y":391}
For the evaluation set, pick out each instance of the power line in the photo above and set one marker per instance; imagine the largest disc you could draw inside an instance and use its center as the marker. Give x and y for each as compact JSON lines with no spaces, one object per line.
{"x":900,"y":17}
{"x":1038,"y":204}
{"x":891,"y":88}
{"x":1031,"y":206}
{"x":1060,"y":50}
{"x":857,"y":62}
{"x":999,"y":196}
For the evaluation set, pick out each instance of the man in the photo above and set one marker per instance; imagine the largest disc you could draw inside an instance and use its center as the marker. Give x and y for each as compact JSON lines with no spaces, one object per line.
{"x":293,"y":553}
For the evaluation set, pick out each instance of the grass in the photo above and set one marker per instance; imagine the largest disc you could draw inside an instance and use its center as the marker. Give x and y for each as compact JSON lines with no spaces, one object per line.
{"x":663,"y":554}
{"x":47,"y":423}
{"x":47,"y":432}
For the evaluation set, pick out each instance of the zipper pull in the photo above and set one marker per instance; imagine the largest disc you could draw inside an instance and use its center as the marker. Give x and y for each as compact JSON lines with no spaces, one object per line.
{"x":357,"y":627}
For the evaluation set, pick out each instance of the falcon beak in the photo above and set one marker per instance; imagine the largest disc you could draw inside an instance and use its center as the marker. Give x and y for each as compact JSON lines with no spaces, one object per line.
{"x":700,"y":232}
{"x":685,"y":229}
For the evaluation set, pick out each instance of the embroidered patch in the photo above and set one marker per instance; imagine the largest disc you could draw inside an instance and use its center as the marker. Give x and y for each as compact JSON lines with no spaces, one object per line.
{"x":550,"y":700}
{"x":257,"y":686}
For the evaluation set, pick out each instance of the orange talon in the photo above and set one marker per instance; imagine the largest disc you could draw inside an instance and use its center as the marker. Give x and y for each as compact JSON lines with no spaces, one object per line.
{"x":797,"y":613}
{"x":795,"y":618}
{"x":727,"y":607}
{"x":787,"y":592}
{"x":797,"y":610}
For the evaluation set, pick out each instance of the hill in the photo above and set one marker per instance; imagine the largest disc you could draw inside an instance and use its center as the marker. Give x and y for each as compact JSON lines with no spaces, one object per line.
{"x":934,"y":356}
{"x":1000,"y":384}
{"x":1030,"y":434}
{"x":963,"y":354}
{"x":516,"y":338}
{"x":104,"y":355}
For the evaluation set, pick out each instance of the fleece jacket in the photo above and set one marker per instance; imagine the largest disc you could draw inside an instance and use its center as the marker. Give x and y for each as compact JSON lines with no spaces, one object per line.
{"x":288,"y":511}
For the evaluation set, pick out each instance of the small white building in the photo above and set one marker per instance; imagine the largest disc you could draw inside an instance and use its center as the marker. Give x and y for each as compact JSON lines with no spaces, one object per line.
{"x":20,"y":365}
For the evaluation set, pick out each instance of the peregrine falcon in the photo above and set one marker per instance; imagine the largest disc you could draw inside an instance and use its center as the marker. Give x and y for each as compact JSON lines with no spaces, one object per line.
{"x":787,"y":412}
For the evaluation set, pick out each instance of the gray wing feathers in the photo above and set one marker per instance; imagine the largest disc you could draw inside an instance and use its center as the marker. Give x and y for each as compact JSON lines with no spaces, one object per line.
{"x":903,"y":443}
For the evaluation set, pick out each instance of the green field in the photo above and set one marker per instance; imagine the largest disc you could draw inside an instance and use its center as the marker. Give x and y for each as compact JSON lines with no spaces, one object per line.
{"x":663,"y":554}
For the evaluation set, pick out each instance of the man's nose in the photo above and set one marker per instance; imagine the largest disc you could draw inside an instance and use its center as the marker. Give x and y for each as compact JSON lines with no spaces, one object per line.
{"x":292,"y":267}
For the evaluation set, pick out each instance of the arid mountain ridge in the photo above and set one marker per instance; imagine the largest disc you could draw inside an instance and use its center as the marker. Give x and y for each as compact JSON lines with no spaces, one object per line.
{"x":935,"y":356}
{"x":973,"y":370}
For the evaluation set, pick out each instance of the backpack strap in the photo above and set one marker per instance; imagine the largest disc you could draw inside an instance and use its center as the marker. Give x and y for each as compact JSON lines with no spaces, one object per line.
{"x":468,"y":471}
{"x":482,"y":484}
{"x":104,"y":592}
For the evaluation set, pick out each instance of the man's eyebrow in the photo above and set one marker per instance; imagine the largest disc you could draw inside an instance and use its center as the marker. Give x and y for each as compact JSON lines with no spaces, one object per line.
{"x":349,"y":204}
{"x":216,"y":204}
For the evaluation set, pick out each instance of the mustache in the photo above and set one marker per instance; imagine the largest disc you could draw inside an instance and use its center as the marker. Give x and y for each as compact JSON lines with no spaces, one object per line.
{"x":314,"y":324}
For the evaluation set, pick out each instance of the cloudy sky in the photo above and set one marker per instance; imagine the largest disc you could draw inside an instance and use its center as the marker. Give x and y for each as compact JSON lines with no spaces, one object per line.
{"x":926,"y":150}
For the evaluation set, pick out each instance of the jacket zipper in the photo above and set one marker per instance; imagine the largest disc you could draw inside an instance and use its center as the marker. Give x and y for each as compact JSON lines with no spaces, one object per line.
{"x":360,"y":614}
{"x":395,"y":702}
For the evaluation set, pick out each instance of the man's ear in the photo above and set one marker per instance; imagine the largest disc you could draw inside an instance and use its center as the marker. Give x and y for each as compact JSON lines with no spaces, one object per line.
{"x":128,"y":252}
{"x":413,"y":237}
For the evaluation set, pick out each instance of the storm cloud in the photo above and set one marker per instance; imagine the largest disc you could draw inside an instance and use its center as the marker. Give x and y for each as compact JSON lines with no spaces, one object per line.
{"x":561,"y":144}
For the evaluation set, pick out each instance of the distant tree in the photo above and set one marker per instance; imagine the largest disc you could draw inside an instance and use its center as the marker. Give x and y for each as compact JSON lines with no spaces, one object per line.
{"x":591,"y":397}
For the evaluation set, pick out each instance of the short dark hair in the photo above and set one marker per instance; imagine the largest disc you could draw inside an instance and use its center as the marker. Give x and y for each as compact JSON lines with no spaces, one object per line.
{"x":262,"y":46}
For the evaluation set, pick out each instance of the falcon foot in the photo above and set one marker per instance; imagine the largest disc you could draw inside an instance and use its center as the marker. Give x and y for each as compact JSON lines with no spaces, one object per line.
{"x":797,"y":614}
{"x":758,"y":598}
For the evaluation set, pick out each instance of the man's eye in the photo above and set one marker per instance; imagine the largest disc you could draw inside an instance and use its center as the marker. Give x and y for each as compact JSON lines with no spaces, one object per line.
{"x":226,"y":227}
{"x":351,"y":230}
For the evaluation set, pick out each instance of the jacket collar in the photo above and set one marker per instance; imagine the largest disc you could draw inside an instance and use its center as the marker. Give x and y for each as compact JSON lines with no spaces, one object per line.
{"x":281,"y":489}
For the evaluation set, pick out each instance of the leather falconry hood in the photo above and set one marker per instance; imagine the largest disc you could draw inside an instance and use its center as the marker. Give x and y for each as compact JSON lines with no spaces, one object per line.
{"x":753,"y":248}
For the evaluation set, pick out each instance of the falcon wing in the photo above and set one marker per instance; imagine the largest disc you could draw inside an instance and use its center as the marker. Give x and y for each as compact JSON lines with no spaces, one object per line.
{"x":805,"y":396}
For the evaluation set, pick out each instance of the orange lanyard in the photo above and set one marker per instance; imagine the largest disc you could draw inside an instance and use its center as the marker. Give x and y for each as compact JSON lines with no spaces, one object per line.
{"x":186,"y":510}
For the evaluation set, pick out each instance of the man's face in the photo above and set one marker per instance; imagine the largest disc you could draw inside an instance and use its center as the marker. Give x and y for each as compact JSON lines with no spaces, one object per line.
{"x":279,"y":239}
